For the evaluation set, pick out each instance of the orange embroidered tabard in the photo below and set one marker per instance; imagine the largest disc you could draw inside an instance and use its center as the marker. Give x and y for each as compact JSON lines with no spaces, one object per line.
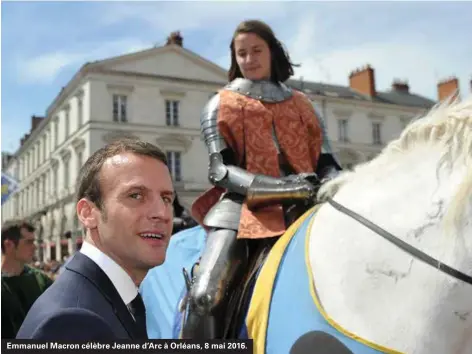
{"x":246,"y":125}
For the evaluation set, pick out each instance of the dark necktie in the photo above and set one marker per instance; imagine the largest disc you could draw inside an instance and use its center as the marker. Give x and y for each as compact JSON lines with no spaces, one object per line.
{"x":139,"y":313}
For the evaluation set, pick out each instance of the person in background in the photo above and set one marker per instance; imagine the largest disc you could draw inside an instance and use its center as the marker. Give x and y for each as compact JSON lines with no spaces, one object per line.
{"x":21,"y":284}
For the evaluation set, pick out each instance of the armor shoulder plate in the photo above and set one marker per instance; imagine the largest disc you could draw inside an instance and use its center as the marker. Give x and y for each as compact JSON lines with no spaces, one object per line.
{"x":209,"y":126}
{"x":265,"y":90}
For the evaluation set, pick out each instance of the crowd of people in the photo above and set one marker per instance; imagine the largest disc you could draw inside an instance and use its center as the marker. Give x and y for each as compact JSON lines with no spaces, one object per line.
{"x":50,"y":267}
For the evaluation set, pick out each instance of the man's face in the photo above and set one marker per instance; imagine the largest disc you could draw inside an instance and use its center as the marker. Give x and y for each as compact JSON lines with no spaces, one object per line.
{"x":24,"y":251}
{"x":135,"y":224}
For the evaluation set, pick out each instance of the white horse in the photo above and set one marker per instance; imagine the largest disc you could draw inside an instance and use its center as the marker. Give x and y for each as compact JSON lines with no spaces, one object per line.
{"x":419,"y":189}
{"x":332,"y":273}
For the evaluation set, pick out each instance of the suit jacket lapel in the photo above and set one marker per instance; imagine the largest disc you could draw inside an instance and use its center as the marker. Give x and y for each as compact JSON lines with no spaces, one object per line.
{"x":84,"y":266}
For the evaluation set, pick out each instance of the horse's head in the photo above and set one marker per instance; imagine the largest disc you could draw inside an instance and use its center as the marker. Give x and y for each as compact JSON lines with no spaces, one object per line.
{"x":420,"y":190}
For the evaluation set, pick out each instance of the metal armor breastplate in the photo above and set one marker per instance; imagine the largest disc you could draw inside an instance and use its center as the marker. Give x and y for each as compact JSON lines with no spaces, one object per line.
{"x":263,"y":90}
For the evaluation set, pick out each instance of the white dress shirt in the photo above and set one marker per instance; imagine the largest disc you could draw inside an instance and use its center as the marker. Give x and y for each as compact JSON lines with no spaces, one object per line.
{"x":120,"y":279}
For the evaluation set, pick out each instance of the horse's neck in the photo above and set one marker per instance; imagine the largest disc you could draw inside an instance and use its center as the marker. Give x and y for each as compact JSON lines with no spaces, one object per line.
{"x":376,"y":290}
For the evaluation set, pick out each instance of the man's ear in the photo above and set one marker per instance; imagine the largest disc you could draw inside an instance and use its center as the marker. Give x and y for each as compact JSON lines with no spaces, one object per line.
{"x":8,"y":244}
{"x":85,"y":212}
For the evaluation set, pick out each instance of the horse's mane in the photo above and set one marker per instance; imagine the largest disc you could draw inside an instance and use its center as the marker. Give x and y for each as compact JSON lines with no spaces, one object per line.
{"x":448,"y":124}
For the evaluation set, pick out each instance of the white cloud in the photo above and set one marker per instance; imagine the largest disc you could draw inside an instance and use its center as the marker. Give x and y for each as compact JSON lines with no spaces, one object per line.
{"x":191,"y":15}
{"x":408,"y":57}
{"x":44,"y":68}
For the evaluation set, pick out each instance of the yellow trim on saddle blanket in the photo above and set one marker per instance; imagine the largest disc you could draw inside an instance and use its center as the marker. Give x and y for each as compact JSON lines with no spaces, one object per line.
{"x":258,"y":313}
{"x":323,"y":312}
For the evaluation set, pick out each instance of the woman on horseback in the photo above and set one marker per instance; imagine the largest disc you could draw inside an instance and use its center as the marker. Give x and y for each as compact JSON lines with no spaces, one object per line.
{"x":264,"y":141}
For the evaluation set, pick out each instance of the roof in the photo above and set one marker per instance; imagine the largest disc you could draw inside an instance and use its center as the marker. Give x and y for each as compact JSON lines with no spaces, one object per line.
{"x":90,"y":66}
{"x":389,"y":97}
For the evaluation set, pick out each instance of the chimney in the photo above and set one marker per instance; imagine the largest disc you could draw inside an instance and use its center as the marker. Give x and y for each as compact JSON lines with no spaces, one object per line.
{"x":175,"y":38}
{"x":363,"y":81}
{"x":400,"y":86}
{"x":35,"y":121}
{"x":6,"y":157}
{"x":448,"y":88}
{"x":24,"y":138}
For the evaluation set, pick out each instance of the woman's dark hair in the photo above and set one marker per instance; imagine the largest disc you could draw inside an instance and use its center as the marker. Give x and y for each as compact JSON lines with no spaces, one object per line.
{"x":281,"y":66}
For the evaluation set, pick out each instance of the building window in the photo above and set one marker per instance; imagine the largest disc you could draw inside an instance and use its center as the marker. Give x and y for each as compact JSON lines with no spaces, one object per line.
{"x":66,"y":173}
{"x":172,"y":113}
{"x":28,"y":198}
{"x":43,"y":181}
{"x":342,"y":130}
{"x":54,"y":179}
{"x":80,"y":113}
{"x":32,"y":159}
{"x":376,"y":133}
{"x":174,"y":163}
{"x":17,"y":170}
{"x":35,"y":156}
{"x":56,"y":132}
{"x":120,"y":108}
{"x":30,"y":162}
{"x":16,"y":209}
{"x":24,"y":199}
{"x":79,"y":161}
{"x":40,"y":153}
{"x":38,"y":194}
{"x":66,"y":124}
{"x":45,"y":145}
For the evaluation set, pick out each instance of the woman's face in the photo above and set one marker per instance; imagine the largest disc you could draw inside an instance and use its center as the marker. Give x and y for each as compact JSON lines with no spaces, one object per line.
{"x":253,"y":56}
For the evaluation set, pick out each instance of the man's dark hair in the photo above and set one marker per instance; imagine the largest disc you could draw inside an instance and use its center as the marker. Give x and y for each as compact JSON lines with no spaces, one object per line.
{"x":281,"y":66}
{"x":89,"y":181}
{"x":11,"y":230}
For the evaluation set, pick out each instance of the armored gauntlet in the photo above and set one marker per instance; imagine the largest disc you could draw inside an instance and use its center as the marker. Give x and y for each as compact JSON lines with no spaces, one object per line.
{"x":266,"y":190}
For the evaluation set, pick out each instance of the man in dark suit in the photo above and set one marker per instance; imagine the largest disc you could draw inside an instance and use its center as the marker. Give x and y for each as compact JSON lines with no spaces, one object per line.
{"x":125,"y":196}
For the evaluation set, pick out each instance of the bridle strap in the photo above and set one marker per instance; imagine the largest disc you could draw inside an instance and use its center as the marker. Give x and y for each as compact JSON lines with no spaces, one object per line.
{"x":402,"y":244}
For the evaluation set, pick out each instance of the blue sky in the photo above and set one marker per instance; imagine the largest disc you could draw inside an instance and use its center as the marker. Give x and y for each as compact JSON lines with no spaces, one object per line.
{"x":45,"y":43}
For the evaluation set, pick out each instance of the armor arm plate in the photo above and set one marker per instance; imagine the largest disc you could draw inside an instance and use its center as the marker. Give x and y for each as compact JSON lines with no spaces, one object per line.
{"x":222,"y":172}
{"x":209,"y":126}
